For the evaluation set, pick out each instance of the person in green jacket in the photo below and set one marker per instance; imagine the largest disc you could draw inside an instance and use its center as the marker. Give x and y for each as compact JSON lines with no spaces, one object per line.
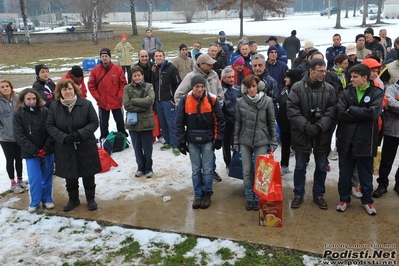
{"x":124,"y":50}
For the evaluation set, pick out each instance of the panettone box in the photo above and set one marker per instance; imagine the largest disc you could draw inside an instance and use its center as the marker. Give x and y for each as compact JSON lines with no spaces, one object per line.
{"x":270,"y":213}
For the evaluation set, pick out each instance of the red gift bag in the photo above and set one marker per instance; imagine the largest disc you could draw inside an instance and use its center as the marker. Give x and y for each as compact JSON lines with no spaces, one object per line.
{"x":157,"y":130}
{"x":106,"y":160}
{"x":267,"y":181}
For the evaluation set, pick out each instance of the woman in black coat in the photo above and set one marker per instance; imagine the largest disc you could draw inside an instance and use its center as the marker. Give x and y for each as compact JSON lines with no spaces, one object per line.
{"x":72,"y":122}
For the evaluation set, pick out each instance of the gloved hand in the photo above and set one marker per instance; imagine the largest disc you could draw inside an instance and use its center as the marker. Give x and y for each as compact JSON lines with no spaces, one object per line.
{"x":41,"y":153}
{"x":75,"y":136}
{"x":217,"y":144}
{"x":312,"y":130}
{"x":237,"y":147}
{"x":273,"y":147}
{"x":69,"y":140}
{"x":183,"y":148}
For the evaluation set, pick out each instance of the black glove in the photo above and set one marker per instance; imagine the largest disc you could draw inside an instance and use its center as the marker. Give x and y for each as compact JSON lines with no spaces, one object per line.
{"x":69,"y":140}
{"x":312,"y":130}
{"x":75,"y":136}
{"x":217,"y":144}
{"x":183,"y":148}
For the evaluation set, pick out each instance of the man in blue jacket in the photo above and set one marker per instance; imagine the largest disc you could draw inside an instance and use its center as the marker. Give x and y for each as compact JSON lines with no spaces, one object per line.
{"x":334,"y":50}
{"x":282,"y":56}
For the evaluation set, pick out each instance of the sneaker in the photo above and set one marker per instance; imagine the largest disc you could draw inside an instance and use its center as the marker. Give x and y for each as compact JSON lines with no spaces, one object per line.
{"x":176,"y":151}
{"x":328,"y":168}
{"x":296,"y":202}
{"x":31,"y":209}
{"x":165,"y":146}
{"x":216,"y":177}
{"x":139,"y":173}
{"x":22,"y":184}
{"x":16,"y":189}
{"x":333,"y":155}
{"x":256,"y":205}
{"x":284,"y":170}
{"x":356,"y":192}
{"x":342,"y":206}
{"x":197,"y":203}
{"x":149,"y":174}
{"x":379,"y":191}
{"x":49,"y":205}
{"x":249,"y":205}
{"x":206,"y":200}
{"x":369,"y":208}
{"x":396,"y":188}
{"x":321,"y":203}
{"x":292,"y":152}
{"x":161,"y":140}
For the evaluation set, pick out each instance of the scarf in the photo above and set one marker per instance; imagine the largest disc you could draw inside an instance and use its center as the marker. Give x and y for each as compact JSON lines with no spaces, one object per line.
{"x":257,"y":97}
{"x":341,"y":75}
{"x":70,"y":103}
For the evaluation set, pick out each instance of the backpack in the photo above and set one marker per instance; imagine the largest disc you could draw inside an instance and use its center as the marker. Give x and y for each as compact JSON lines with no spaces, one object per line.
{"x":105,"y":144}
{"x":118,"y":141}
{"x":106,"y":160}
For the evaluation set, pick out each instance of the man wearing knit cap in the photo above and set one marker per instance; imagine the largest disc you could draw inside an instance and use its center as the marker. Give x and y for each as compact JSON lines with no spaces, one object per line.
{"x":76,"y":74}
{"x":282,"y":56}
{"x":240,"y":70}
{"x":226,"y":44}
{"x":200,"y":126}
{"x":44,"y":85}
{"x":183,"y":63}
{"x":292,"y":46}
{"x":334,"y":50}
{"x":361,"y":52}
{"x":106,"y":84}
{"x":124,"y":51}
{"x":276,"y":67}
{"x":373,"y":42}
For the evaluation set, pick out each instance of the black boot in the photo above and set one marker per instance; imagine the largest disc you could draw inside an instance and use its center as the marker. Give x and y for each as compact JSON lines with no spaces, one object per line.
{"x":73,"y":200}
{"x":91,"y":203}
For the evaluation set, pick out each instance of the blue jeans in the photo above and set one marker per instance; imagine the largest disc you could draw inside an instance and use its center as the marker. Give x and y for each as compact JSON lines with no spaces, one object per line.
{"x":201,"y":157}
{"x":364,"y":165}
{"x":142,"y":145}
{"x":248,"y":167}
{"x":40,"y":175}
{"x":167,"y":115}
{"x":319,"y":176}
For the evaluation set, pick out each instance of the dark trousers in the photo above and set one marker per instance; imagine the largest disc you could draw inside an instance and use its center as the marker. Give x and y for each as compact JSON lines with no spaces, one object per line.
{"x":9,"y":36}
{"x":104,"y":118}
{"x":12,"y":152}
{"x":127,"y":69}
{"x":151,"y":56}
{"x":73,"y":183}
{"x":227,"y":142}
{"x":142,"y":145}
{"x":389,"y":148}
{"x":285,"y":137}
{"x":347,"y":162}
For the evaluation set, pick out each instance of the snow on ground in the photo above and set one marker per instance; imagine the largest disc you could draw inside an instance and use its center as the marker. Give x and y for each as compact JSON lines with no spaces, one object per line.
{"x":45,"y":237}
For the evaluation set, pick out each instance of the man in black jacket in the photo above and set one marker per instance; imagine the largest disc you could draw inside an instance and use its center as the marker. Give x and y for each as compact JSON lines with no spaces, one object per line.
{"x":292,"y":45}
{"x":145,"y":63}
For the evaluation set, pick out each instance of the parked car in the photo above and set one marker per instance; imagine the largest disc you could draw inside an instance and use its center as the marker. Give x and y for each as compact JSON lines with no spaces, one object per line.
{"x":373,"y":9}
{"x":21,"y":25}
{"x":69,"y":21}
{"x":333,"y":10}
{"x":4,"y":22}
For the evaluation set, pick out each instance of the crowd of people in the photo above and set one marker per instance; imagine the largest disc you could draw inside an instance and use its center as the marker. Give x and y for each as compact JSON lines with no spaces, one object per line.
{"x":230,"y":98}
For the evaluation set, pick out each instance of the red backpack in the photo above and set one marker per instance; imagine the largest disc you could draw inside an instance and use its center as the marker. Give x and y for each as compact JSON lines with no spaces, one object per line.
{"x":106,"y":160}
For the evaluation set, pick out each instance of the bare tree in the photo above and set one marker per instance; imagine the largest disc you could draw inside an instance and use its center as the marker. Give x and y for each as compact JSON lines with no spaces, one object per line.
{"x":338,"y":21}
{"x":187,"y":8}
{"x":95,"y":14}
{"x":365,"y":12}
{"x":133,"y":18}
{"x":150,"y":15}
{"x":22,"y":4}
{"x":380,"y":3}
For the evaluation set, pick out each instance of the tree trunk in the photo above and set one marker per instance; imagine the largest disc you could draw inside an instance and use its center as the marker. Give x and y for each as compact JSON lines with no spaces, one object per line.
{"x":22,"y":3}
{"x":133,"y":18}
{"x":347,"y":9}
{"x":365,"y":10}
{"x":95,"y":20}
{"x":241,"y":19}
{"x":150,"y":15}
{"x":380,"y":2}
{"x":354,"y":7}
{"x":338,"y":22}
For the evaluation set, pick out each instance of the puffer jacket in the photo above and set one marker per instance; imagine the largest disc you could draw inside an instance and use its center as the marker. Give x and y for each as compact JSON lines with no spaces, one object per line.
{"x":184,"y":64}
{"x":255,"y":122}
{"x":391,"y":125}
{"x":106,"y":86}
{"x":46,"y":89}
{"x":124,"y":50}
{"x":271,"y":85}
{"x":231,"y":94}
{"x":299,"y":106}
{"x":6,"y":116}
{"x":357,"y":121}
{"x":140,"y":99}
{"x":30,"y":131}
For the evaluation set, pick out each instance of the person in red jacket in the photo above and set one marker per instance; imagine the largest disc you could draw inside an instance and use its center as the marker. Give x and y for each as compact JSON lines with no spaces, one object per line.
{"x":76,"y":74}
{"x":106,"y":84}
{"x":239,"y":68}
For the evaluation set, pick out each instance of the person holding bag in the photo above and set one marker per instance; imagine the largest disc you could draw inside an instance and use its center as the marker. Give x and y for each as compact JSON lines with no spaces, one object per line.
{"x":138,"y":99}
{"x":255,"y":131}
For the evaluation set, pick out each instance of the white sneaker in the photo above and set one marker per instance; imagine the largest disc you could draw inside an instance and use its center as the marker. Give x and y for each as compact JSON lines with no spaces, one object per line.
{"x":356,"y":192}
{"x":23,"y":185}
{"x":149,"y":174}
{"x":16,"y":189}
{"x":284,"y":170}
{"x":342,"y":206}
{"x":333,"y":155}
{"x":49,"y":205}
{"x":32,"y":209}
{"x":369,"y":208}
{"x":161,"y":140}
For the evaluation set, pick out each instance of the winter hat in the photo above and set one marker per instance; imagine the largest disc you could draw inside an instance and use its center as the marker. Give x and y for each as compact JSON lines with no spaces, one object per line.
{"x":350,"y":49}
{"x":360,"y":36}
{"x":39,"y":67}
{"x":311,"y":51}
{"x":294,"y":74}
{"x":371,"y":63}
{"x":77,"y":71}
{"x":237,"y":60}
{"x":123,"y":36}
{"x":308,"y":44}
{"x":369,"y":30}
{"x":205,"y":59}
{"x":271,"y":38}
{"x":271,"y":48}
{"x":293,"y":32}
{"x":105,"y":51}
{"x":222,"y":33}
{"x":181,"y":46}
{"x":197,"y":79}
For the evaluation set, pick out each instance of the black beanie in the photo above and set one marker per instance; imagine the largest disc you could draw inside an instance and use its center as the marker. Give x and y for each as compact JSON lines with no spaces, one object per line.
{"x":197,"y":79}
{"x":360,"y":36}
{"x":181,"y":46}
{"x":105,"y":51}
{"x":38,"y":67}
{"x":311,"y":51}
{"x":77,"y":71}
{"x":294,"y":74}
